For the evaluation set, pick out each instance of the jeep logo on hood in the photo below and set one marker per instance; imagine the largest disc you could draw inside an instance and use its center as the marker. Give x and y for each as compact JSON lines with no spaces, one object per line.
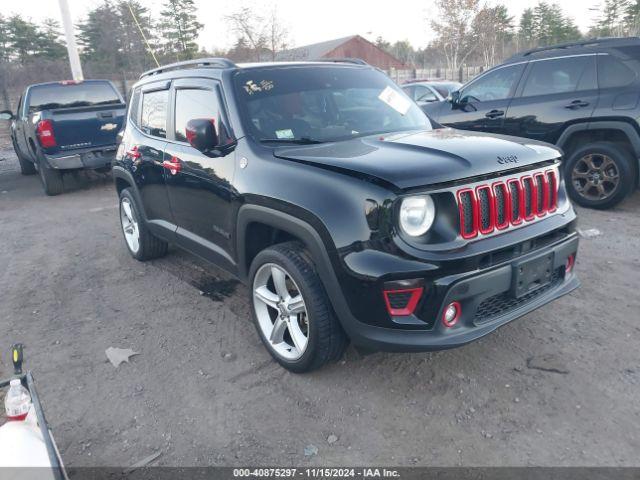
{"x":507,"y":159}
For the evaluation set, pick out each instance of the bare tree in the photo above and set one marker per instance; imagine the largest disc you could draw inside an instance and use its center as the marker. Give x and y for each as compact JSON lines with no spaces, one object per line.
{"x":492,"y":26}
{"x":263,"y":35}
{"x":454,"y":29}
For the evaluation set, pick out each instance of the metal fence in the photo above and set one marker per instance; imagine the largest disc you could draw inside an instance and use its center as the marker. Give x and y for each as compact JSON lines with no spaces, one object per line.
{"x":462,"y":75}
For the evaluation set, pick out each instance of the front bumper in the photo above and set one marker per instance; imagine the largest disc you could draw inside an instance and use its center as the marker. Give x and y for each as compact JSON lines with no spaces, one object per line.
{"x":486,"y":302}
{"x":89,"y":159}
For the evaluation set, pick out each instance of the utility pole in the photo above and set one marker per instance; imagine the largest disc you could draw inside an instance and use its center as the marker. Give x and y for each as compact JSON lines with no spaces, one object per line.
{"x":72,"y":48}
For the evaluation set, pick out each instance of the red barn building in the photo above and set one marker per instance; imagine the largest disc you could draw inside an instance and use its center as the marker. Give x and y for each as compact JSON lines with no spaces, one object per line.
{"x":353,"y":46}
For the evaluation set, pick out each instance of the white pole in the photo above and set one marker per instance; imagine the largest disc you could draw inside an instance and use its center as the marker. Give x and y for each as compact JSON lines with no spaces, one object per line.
{"x":72,"y":49}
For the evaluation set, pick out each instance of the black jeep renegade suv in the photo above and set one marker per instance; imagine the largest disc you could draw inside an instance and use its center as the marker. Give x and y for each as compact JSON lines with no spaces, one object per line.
{"x":329,"y":193}
{"x":583,"y":97}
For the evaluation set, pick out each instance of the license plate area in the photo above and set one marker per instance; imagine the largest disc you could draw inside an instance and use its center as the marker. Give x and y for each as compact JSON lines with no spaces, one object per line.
{"x":532,"y":274}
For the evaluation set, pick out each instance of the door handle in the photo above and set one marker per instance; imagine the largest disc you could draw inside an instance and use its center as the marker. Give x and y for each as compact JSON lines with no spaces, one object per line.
{"x":576,"y":104}
{"x":494,"y":113}
{"x":173,"y":165}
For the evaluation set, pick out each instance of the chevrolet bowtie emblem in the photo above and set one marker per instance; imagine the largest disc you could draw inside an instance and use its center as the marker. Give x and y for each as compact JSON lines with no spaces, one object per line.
{"x":108,"y":126}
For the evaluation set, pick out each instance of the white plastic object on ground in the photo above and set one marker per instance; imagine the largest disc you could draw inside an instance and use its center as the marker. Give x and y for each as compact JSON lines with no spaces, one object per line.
{"x":17,"y":401}
{"x":21,"y":445}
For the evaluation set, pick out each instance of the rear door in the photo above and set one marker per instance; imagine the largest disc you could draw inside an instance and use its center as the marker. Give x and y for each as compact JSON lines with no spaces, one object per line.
{"x":200,"y":190}
{"x":484,"y":101}
{"x":145,"y":148}
{"x":555,"y":93}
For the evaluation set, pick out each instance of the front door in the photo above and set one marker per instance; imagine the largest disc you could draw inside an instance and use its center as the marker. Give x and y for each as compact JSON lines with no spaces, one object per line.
{"x":200,"y":187}
{"x":554,"y":92}
{"x":483,"y":103}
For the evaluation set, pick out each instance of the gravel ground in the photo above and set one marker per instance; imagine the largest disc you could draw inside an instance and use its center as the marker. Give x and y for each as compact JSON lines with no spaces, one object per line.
{"x":557,"y":388}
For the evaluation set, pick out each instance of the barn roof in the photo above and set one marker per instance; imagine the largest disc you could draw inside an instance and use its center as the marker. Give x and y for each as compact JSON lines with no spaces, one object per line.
{"x":313,"y":51}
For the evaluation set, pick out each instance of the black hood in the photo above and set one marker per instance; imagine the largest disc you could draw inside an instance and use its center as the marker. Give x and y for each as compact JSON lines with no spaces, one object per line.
{"x":415,"y":159}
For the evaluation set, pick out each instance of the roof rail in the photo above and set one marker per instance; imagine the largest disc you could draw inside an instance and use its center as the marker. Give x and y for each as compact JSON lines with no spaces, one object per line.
{"x":212,"y":62}
{"x":356,"y":61}
{"x":580,"y":43}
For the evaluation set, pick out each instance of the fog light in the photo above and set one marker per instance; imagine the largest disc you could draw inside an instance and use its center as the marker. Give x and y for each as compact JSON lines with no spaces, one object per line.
{"x":451,"y":314}
{"x":568,"y":266}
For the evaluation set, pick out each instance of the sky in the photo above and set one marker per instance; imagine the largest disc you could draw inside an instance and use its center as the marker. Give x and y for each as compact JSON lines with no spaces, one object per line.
{"x":310,"y":21}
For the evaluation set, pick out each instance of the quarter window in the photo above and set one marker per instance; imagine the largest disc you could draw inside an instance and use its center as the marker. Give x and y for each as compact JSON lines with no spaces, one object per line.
{"x":192,"y":104}
{"x":154,"y":113}
{"x":613,"y":73}
{"x":561,"y":75}
{"x":496,"y":85}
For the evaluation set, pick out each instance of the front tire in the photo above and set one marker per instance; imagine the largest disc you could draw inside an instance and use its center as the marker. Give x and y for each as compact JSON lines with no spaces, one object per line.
{"x":141,"y":243}
{"x":600,"y":175}
{"x":291,"y":310}
{"x":26,"y":166}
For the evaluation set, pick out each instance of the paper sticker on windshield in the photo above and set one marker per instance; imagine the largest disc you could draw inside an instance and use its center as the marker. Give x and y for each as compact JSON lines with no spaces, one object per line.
{"x":395,"y":100}
{"x":251,"y":87}
{"x":285,"y":134}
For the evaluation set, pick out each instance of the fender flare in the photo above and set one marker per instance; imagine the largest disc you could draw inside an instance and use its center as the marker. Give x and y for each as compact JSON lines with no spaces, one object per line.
{"x":123,"y":174}
{"x":625,"y":127}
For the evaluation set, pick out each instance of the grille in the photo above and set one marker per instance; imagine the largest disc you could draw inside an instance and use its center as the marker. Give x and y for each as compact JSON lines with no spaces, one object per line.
{"x":399,"y":300}
{"x":504,"y":302}
{"x":497,"y":206}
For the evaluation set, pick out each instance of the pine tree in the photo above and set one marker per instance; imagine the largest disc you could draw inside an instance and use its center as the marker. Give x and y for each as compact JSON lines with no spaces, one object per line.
{"x":23,"y":38}
{"x":99,"y":36}
{"x":180,"y":28}
{"x":4,"y":39}
{"x":135,"y":52}
{"x":49,"y":43}
{"x":527,"y":28}
{"x":632,"y":17}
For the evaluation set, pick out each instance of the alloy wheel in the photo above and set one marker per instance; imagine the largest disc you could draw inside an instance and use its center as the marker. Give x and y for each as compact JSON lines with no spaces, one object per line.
{"x":595,"y":176}
{"x":129,"y":225}
{"x":281,"y":311}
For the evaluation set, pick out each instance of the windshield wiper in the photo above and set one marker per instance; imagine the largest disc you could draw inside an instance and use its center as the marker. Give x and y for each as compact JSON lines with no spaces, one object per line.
{"x":297,"y":141}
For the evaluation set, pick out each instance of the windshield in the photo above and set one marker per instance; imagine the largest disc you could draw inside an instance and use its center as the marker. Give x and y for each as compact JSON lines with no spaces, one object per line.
{"x":61,"y":95}
{"x":310,"y":104}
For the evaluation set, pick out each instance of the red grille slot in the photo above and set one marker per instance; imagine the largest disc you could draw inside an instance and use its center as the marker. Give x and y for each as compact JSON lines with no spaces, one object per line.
{"x":506,"y":203}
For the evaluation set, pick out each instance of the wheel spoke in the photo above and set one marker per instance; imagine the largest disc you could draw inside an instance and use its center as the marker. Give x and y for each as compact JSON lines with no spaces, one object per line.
{"x":576,"y":174}
{"x":127,"y":210}
{"x":267,"y":297}
{"x":296,"y":305}
{"x":280,"y":282}
{"x":299,"y":338}
{"x":277,"y":334}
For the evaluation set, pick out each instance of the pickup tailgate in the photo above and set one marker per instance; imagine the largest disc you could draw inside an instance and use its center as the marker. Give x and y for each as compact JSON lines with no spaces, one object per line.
{"x":86,"y":127}
{"x":82,"y":115}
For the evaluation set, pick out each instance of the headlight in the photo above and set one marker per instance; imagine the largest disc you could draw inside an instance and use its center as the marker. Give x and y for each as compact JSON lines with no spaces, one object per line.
{"x":417,"y":215}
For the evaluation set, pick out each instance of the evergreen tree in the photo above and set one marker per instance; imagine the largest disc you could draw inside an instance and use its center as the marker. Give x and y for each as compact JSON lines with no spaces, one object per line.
{"x":632,"y":17}
{"x":22,"y":38}
{"x":4,"y":39}
{"x":612,"y":19}
{"x":49,"y":43}
{"x":180,"y":28}
{"x":99,"y":36}
{"x":135,"y":51}
{"x":527,"y":28}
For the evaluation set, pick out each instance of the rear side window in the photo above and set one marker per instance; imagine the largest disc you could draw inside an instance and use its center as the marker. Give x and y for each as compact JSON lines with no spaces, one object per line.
{"x":134,"y":106}
{"x":83,"y":94}
{"x":154,"y":113}
{"x":194,"y":104}
{"x":613,"y":73}
{"x":560,"y":75}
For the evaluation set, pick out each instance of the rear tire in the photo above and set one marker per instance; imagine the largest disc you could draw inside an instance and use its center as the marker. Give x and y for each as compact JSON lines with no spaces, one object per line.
{"x":303,"y":306}
{"x":140,"y":242}
{"x":51,"y":179}
{"x":600,"y":175}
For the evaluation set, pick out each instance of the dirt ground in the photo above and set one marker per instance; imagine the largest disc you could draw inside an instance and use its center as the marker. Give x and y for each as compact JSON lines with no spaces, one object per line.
{"x":559,"y":387}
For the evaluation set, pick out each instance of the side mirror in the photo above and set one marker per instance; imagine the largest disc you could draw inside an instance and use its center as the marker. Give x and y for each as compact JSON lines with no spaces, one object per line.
{"x":202,"y":134}
{"x":6,"y":115}
{"x":455,"y":98}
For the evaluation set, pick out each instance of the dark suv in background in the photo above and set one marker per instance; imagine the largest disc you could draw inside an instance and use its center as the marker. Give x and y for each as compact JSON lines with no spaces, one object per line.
{"x":326,"y":190}
{"x":583,"y":97}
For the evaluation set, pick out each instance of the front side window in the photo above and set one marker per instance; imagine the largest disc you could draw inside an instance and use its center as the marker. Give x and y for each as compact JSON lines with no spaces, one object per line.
{"x":323,"y":104}
{"x":496,"y":85}
{"x":154,"y":113}
{"x":560,"y":75}
{"x":194,"y":104}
